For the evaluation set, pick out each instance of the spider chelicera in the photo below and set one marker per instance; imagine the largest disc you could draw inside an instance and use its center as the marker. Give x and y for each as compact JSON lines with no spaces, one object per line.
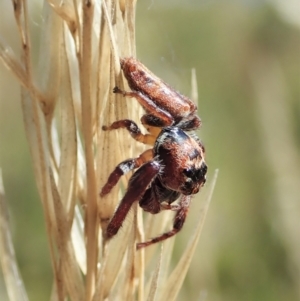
{"x":174,"y":169}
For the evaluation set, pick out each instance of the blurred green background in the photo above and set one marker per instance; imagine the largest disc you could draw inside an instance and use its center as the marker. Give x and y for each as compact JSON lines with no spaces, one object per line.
{"x":246,"y":55}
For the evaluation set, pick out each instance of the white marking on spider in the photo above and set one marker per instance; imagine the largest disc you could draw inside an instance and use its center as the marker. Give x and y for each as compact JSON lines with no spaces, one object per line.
{"x":126,"y":167}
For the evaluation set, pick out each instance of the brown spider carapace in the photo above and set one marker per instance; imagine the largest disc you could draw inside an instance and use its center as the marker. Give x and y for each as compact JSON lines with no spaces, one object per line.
{"x":174,"y":168}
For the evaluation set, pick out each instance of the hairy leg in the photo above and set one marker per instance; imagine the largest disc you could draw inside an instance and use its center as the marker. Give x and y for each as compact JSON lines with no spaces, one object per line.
{"x":177,"y":225}
{"x":136,"y":188}
{"x":123,"y":168}
{"x":165,"y":117}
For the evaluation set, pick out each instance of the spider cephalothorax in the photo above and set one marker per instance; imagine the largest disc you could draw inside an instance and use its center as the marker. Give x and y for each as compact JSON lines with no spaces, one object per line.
{"x":174,"y":168}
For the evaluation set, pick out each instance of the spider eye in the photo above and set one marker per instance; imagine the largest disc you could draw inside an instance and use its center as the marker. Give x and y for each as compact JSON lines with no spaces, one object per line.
{"x":189,"y":172}
{"x":196,"y":174}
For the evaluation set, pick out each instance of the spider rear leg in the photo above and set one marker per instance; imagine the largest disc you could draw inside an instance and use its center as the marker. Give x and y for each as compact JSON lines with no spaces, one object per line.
{"x":123,"y":168}
{"x":136,"y":188}
{"x":148,"y":104}
{"x":133,"y":130}
{"x":177,"y":225}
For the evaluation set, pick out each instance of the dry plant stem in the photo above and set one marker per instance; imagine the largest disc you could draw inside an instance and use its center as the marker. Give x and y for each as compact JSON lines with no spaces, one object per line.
{"x":19,"y":7}
{"x":131,"y":260}
{"x":75,"y":287}
{"x":140,"y":257}
{"x":131,"y":24}
{"x":86,"y":106}
{"x":114,"y":47}
{"x":12,"y":277}
{"x":78,"y":36}
{"x":105,"y":111}
{"x":11,"y":63}
{"x":68,"y":161}
{"x":62,"y":268}
{"x":30,"y":109}
{"x":30,"y":97}
{"x":102,"y":65}
{"x":24,"y":32}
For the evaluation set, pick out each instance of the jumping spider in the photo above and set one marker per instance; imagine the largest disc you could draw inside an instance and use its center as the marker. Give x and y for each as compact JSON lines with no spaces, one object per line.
{"x":174,"y":168}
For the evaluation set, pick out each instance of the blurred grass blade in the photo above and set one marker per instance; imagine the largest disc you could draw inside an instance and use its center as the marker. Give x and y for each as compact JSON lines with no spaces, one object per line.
{"x":194,"y":90}
{"x":155,"y":278}
{"x":175,"y":280}
{"x":14,"y":283}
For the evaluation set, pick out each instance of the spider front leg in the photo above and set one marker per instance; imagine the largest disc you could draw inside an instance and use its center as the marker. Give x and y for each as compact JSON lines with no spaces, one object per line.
{"x":177,"y":225}
{"x":136,"y":188}
{"x":123,"y":168}
{"x":165,"y":117}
